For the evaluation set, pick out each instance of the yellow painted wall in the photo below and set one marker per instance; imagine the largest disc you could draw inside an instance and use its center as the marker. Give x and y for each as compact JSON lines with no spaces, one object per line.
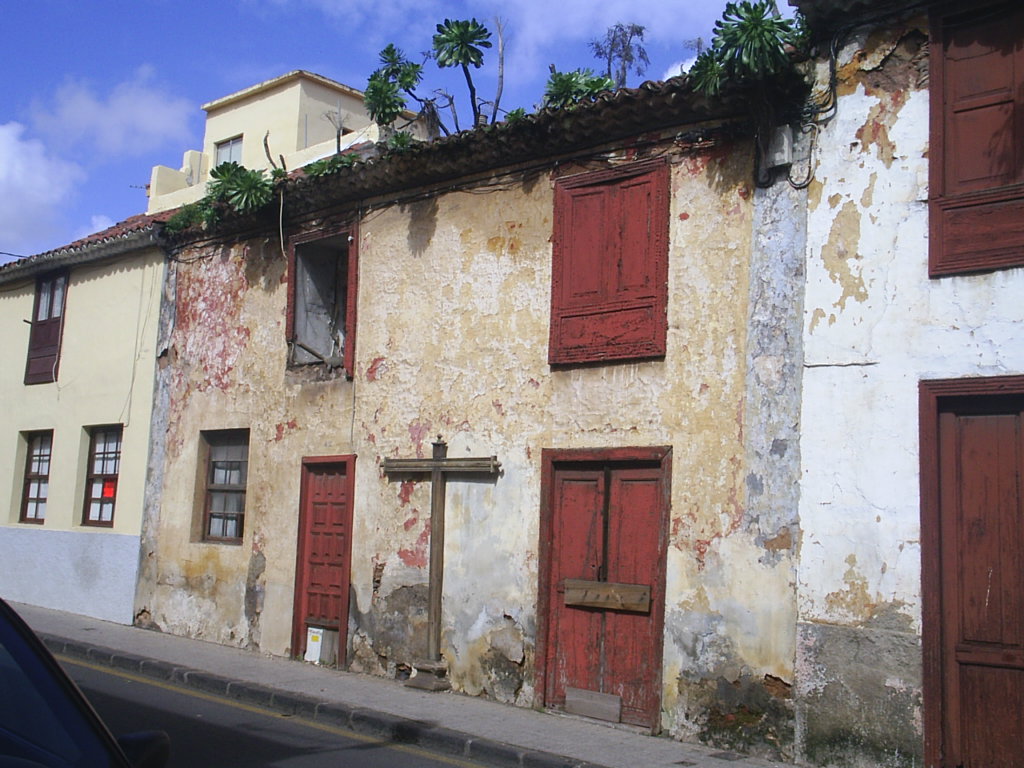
{"x":106,"y":376}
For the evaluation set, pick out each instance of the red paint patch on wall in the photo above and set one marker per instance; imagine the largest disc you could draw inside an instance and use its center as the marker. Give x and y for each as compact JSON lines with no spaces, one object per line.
{"x":498,"y":407}
{"x":405,"y":492}
{"x":684,"y":216}
{"x":281,"y":428}
{"x":207,"y":331}
{"x":418,"y":431}
{"x":412,"y":520}
{"x":371,"y":372}
{"x":417,"y":556}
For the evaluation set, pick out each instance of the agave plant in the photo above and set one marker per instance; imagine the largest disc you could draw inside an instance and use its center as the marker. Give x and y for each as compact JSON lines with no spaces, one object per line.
{"x":749,"y":46}
{"x":329,"y":165}
{"x":566,"y":89}
{"x":383,"y":101}
{"x":243,"y":189}
{"x":751,"y":38}
{"x":458,"y":44}
{"x":250,"y":191}
{"x":707,"y":73}
{"x":221,"y":179}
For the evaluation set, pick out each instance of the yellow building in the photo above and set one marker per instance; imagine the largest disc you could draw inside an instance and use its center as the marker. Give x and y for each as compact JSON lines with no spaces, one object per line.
{"x":298,"y":117}
{"x":80,"y":328}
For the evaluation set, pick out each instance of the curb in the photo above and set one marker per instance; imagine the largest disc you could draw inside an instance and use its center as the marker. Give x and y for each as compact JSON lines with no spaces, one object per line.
{"x":367,"y":722}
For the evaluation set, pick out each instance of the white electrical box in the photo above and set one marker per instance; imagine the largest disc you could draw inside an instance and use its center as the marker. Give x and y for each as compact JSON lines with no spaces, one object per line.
{"x":321,"y":646}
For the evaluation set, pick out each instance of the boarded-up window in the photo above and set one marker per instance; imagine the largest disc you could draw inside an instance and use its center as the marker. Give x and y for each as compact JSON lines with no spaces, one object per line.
{"x":977,"y":173}
{"x":102,"y":470}
{"x":227,"y":472}
{"x":47,"y":328}
{"x":36,"y":488}
{"x":610,"y":265}
{"x":322,"y":301}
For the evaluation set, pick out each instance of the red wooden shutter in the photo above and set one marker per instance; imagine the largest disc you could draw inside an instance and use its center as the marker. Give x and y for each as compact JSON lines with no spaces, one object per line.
{"x":610,"y":265}
{"x":977,"y":180}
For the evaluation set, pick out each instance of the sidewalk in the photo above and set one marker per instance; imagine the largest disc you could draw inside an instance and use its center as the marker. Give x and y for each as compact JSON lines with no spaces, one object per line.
{"x":448,"y":723}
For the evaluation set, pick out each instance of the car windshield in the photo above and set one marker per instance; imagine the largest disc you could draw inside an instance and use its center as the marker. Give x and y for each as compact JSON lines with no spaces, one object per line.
{"x":41,"y":721}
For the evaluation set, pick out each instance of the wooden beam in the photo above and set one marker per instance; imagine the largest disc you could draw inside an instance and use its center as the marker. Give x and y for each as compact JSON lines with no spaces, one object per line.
{"x":635,"y":598}
{"x":489,"y":464}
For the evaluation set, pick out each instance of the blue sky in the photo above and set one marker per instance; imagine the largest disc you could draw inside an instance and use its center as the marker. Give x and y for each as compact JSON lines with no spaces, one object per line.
{"x":97,"y":92}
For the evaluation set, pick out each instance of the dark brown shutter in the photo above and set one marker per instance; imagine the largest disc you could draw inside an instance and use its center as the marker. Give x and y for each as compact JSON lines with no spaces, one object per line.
{"x":978,"y":137}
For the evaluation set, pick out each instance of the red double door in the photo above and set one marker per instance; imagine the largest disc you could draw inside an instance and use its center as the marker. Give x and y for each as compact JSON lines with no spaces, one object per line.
{"x":604,"y":525}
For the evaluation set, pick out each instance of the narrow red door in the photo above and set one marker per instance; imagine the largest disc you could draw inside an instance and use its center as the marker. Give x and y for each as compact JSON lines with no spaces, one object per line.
{"x":606,"y":528}
{"x":981,"y":550}
{"x":324,"y":554}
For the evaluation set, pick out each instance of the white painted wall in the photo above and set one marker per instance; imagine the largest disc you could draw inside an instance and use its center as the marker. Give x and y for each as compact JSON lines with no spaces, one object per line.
{"x":86,"y":572}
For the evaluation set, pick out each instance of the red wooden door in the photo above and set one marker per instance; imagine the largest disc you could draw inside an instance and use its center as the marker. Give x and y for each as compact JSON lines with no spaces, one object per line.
{"x":324,"y":554}
{"x":981,"y":550}
{"x":607,"y":524}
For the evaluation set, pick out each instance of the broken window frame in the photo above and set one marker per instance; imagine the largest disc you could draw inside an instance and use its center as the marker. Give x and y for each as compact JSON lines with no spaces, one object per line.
{"x":102,"y":471}
{"x":310,"y":347}
{"x":225,"y":478}
{"x":36,"y":483}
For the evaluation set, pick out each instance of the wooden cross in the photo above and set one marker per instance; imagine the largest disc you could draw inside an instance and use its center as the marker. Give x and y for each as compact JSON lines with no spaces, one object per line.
{"x":431,"y":672}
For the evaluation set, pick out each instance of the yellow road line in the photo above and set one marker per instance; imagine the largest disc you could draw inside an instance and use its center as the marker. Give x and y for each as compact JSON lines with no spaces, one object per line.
{"x":336,"y":730}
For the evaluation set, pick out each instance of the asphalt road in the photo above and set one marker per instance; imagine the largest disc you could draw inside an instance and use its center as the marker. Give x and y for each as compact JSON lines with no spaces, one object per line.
{"x":206,"y":730}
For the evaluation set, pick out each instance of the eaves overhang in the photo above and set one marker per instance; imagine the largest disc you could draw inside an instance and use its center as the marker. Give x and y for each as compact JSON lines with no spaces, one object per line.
{"x":827,"y":16}
{"x":133,"y":234}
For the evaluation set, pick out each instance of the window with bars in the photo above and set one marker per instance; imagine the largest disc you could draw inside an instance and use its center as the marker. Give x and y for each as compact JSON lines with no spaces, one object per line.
{"x":37,"y":477}
{"x":47,"y":327}
{"x":101,"y":475}
{"x":227,"y":470}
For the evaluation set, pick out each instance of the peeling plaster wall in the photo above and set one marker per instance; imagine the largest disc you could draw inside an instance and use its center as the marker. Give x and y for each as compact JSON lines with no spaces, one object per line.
{"x":874,"y":326}
{"x":452,"y":334}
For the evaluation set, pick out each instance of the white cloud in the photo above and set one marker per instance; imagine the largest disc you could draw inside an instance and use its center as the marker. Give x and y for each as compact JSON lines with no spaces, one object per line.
{"x":97,"y":223}
{"x":539,"y":29}
{"x":136,"y":117}
{"x":678,"y":67}
{"x":34,"y":185}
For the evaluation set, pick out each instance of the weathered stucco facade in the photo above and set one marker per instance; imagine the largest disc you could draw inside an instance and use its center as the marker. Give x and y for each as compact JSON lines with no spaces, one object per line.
{"x":454,"y":303}
{"x":801,"y":325}
{"x":875,"y":325}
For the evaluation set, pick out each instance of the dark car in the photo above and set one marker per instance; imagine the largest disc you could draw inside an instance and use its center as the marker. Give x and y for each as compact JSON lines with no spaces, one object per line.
{"x":46,"y":721}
